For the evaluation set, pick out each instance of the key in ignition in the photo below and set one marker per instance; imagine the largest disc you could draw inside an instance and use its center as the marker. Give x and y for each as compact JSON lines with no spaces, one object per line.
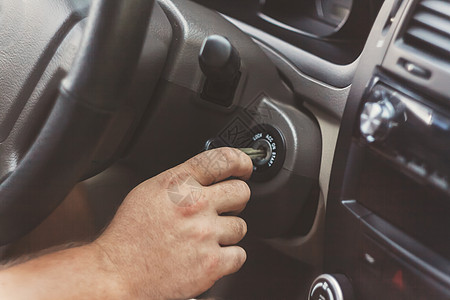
{"x":254,"y":153}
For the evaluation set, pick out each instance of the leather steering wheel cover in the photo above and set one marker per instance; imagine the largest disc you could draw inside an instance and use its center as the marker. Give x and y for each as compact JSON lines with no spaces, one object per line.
{"x":88,"y":98}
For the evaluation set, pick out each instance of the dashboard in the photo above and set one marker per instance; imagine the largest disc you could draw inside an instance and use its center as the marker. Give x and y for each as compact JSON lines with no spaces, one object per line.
{"x":388,"y":205}
{"x":387,"y":209}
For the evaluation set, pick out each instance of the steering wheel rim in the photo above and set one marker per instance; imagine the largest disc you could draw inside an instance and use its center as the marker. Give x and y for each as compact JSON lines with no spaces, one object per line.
{"x":88,"y":98}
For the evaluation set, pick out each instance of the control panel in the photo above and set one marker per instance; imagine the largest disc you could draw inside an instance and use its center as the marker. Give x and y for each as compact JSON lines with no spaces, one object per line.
{"x":410,"y":132}
{"x":388,"y":205}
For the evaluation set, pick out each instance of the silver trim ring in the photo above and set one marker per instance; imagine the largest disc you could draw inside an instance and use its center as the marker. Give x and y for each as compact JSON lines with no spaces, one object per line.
{"x":334,"y":286}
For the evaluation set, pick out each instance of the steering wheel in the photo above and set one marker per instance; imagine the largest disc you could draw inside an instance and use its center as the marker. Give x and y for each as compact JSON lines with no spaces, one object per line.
{"x":33,"y":184}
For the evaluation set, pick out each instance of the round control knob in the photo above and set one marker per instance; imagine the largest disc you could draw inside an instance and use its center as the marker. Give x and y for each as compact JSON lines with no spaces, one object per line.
{"x":218,"y":59}
{"x":331,"y":287}
{"x":377,"y":120}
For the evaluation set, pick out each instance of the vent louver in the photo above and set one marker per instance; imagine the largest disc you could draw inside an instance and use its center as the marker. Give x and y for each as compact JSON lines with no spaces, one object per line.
{"x":429,"y":28}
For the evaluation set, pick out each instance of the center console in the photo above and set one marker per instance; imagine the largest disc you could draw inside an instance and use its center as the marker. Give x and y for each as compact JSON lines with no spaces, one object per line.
{"x":389,"y":201}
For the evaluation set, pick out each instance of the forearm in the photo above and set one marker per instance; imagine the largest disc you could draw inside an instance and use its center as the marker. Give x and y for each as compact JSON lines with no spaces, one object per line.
{"x":77,"y":273}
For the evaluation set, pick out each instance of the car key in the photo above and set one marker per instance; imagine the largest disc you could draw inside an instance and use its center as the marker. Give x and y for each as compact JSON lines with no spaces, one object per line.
{"x":254,"y":153}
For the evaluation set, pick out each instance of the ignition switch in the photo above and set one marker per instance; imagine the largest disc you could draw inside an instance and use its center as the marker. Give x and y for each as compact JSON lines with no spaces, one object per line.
{"x":269,"y":139}
{"x":266,"y":147}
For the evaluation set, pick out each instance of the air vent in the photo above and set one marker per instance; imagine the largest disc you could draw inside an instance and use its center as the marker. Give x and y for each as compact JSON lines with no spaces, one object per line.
{"x":429,"y":29}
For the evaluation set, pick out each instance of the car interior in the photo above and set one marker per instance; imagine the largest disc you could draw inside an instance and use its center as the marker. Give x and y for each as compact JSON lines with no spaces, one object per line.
{"x":347,"y":100}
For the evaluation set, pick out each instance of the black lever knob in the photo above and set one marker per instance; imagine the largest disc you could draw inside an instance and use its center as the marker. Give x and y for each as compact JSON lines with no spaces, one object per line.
{"x":219,"y":60}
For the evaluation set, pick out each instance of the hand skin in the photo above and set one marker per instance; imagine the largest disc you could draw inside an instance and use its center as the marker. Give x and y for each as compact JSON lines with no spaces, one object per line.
{"x":168,"y":240}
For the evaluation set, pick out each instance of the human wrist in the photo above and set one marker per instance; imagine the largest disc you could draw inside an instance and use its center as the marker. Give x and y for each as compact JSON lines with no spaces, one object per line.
{"x":127,"y":264}
{"x":116,"y":285}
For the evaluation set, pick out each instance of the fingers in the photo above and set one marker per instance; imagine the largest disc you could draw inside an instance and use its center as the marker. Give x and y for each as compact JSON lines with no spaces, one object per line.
{"x":219,"y":164}
{"x":233,"y":259}
{"x":229,"y":196}
{"x":230,"y":230}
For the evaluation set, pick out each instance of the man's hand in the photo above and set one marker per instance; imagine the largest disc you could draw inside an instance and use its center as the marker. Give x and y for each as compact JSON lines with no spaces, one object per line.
{"x":169,"y":239}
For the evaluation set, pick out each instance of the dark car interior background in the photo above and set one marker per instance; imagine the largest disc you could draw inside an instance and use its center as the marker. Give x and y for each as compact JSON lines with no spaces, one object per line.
{"x":350,"y":100}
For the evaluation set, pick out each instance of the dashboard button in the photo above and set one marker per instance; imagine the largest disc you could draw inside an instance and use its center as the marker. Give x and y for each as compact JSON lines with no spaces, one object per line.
{"x":416,"y":70}
{"x":331,"y":287}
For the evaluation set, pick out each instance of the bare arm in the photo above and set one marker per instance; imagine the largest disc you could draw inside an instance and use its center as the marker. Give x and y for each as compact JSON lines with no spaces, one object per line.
{"x":78,"y":273}
{"x":167,"y":241}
